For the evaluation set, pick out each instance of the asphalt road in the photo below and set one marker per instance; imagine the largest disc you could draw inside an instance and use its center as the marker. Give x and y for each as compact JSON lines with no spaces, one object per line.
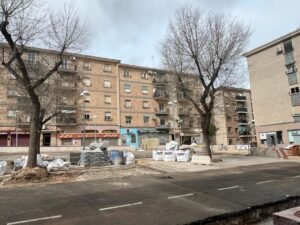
{"x":164,"y":199}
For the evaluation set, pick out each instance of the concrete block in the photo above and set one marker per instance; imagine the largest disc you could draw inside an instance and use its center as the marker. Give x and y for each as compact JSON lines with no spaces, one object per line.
{"x":201,"y":159}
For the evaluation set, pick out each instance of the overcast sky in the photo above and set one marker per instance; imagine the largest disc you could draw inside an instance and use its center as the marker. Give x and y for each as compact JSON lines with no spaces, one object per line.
{"x":130,"y":30}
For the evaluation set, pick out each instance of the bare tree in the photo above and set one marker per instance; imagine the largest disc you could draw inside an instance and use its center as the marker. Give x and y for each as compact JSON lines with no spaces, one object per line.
{"x":24,"y":25}
{"x":209,"y":46}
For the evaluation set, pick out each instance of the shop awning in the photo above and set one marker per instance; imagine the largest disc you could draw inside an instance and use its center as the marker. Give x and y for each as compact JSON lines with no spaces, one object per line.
{"x":87,"y":135}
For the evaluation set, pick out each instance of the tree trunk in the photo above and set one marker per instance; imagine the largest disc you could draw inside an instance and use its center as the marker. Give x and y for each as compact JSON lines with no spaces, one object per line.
{"x":34,"y":136}
{"x":205,"y":126}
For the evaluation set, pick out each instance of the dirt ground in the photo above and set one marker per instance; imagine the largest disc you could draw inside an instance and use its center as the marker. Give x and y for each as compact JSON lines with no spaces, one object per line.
{"x":41,"y":176}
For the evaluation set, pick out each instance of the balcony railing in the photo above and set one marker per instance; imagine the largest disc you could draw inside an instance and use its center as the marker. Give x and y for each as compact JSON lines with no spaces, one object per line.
{"x":161,"y":111}
{"x":289,"y":58}
{"x":61,"y":120}
{"x":162,"y":81}
{"x":162,"y":127}
{"x":67,"y":85}
{"x":241,"y":110}
{"x":240,"y":98}
{"x":243,"y":121}
{"x":183,"y":112}
{"x":161,"y":96}
{"x":245,"y":133}
{"x":292,"y":78}
{"x":295,"y":98}
{"x":68,"y":69}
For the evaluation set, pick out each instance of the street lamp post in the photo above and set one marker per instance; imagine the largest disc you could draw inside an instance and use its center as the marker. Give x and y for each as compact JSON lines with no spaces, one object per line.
{"x":172,"y":103}
{"x":180,"y":134}
{"x":94,"y":117}
{"x":17,"y":127}
{"x":84,"y":93}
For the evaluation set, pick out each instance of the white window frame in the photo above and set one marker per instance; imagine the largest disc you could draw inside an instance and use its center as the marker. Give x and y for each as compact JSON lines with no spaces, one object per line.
{"x":107,"y":82}
{"x":11,"y":114}
{"x":128,"y":121}
{"x":106,"y":101}
{"x":144,"y":76}
{"x":128,"y":103}
{"x":127,"y":88}
{"x":107,"y":116}
{"x":148,"y":119}
{"x":127,"y":73}
{"x":145,"y":91}
{"x":29,"y":54}
{"x":147,"y":105}
{"x":107,"y":68}
{"x":87,"y":66}
{"x":86,"y":82}
{"x":87,"y":115}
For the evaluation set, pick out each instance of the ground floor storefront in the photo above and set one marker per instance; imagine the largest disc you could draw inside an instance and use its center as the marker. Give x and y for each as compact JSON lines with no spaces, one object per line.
{"x":12,"y":137}
{"x":278,"y":134}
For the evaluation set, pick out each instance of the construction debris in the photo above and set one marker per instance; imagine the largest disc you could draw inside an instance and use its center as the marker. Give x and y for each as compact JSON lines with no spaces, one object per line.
{"x":95,"y":154}
{"x":3,"y":165}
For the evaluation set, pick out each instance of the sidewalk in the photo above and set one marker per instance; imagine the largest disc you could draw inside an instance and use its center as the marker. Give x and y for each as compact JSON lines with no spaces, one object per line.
{"x":228,"y":161}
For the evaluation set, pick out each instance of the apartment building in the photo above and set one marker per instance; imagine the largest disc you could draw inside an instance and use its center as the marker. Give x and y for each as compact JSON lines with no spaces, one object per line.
{"x":233,"y":117}
{"x":275,"y":90}
{"x":103,"y":99}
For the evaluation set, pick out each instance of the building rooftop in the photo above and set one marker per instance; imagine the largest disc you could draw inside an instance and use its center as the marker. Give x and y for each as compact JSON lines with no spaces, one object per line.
{"x":272,"y":43}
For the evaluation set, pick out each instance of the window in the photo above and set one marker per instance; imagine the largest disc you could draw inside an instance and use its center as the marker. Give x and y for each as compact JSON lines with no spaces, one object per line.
{"x":225,"y":94}
{"x":65,"y":64}
{"x":128,"y":104}
{"x":127,"y":88}
{"x":288,"y":47}
{"x":295,"y":90}
{"x":107,"y":116}
{"x":290,"y":69}
{"x":144,"y":76}
{"x":146,"y":119}
{"x":127,"y":73}
{"x":87,"y":115}
{"x":133,"y":138}
{"x":31,"y":58}
{"x":162,"y":121}
{"x":145,"y":89}
{"x":229,"y":129}
{"x":107,"y":68}
{"x":86,"y":66}
{"x":128,"y":119}
{"x":107,"y":99}
{"x":146,"y":105}
{"x":11,"y":114}
{"x":236,"y":130}
{"x":230,"y":141}
{"x":226,"y":104}
{"x":107,"y":84}
{"x":12,"y":93}
{"x":86,"y":82}
{"x":161,"y":107}
{"x":229,"y":118}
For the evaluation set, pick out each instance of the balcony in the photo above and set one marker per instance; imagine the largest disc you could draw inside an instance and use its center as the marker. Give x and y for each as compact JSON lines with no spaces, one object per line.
{"x":183,"y":112}
{"x":245,"y":134}
{"x":289,"y":58}
{"x":65,"y":85}
{"x":241,"y":110}
{"x":181,"y":98}
{"x":160,"y":96}
{"x":162,"y":127}
{"x":65,"y":120}
{"x":240,"y":98}
{"x":67,"y":69}
{"x":162,"y":81}
{"x":292,"y":78}
{"x":160,"y":112}
{"x":295,"y":98}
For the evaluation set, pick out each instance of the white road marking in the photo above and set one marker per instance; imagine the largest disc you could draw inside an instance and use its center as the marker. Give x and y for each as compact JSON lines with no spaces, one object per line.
{"x":264,"y":182}
{"x":121,"y":206}
{"x":226,"y":188}
{"x":34,"y":220}
{"x":180,"y":196}
{"x":296,"y":176}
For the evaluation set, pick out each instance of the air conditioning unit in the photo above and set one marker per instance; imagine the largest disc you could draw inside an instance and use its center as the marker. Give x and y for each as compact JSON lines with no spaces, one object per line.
{"x":72,"y":58}
{"x":279,"y":50}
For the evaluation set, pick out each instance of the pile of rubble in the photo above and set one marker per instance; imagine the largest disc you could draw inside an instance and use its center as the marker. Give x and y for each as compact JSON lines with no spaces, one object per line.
{"x":95,"y":154}
{"x":51,"y":163}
